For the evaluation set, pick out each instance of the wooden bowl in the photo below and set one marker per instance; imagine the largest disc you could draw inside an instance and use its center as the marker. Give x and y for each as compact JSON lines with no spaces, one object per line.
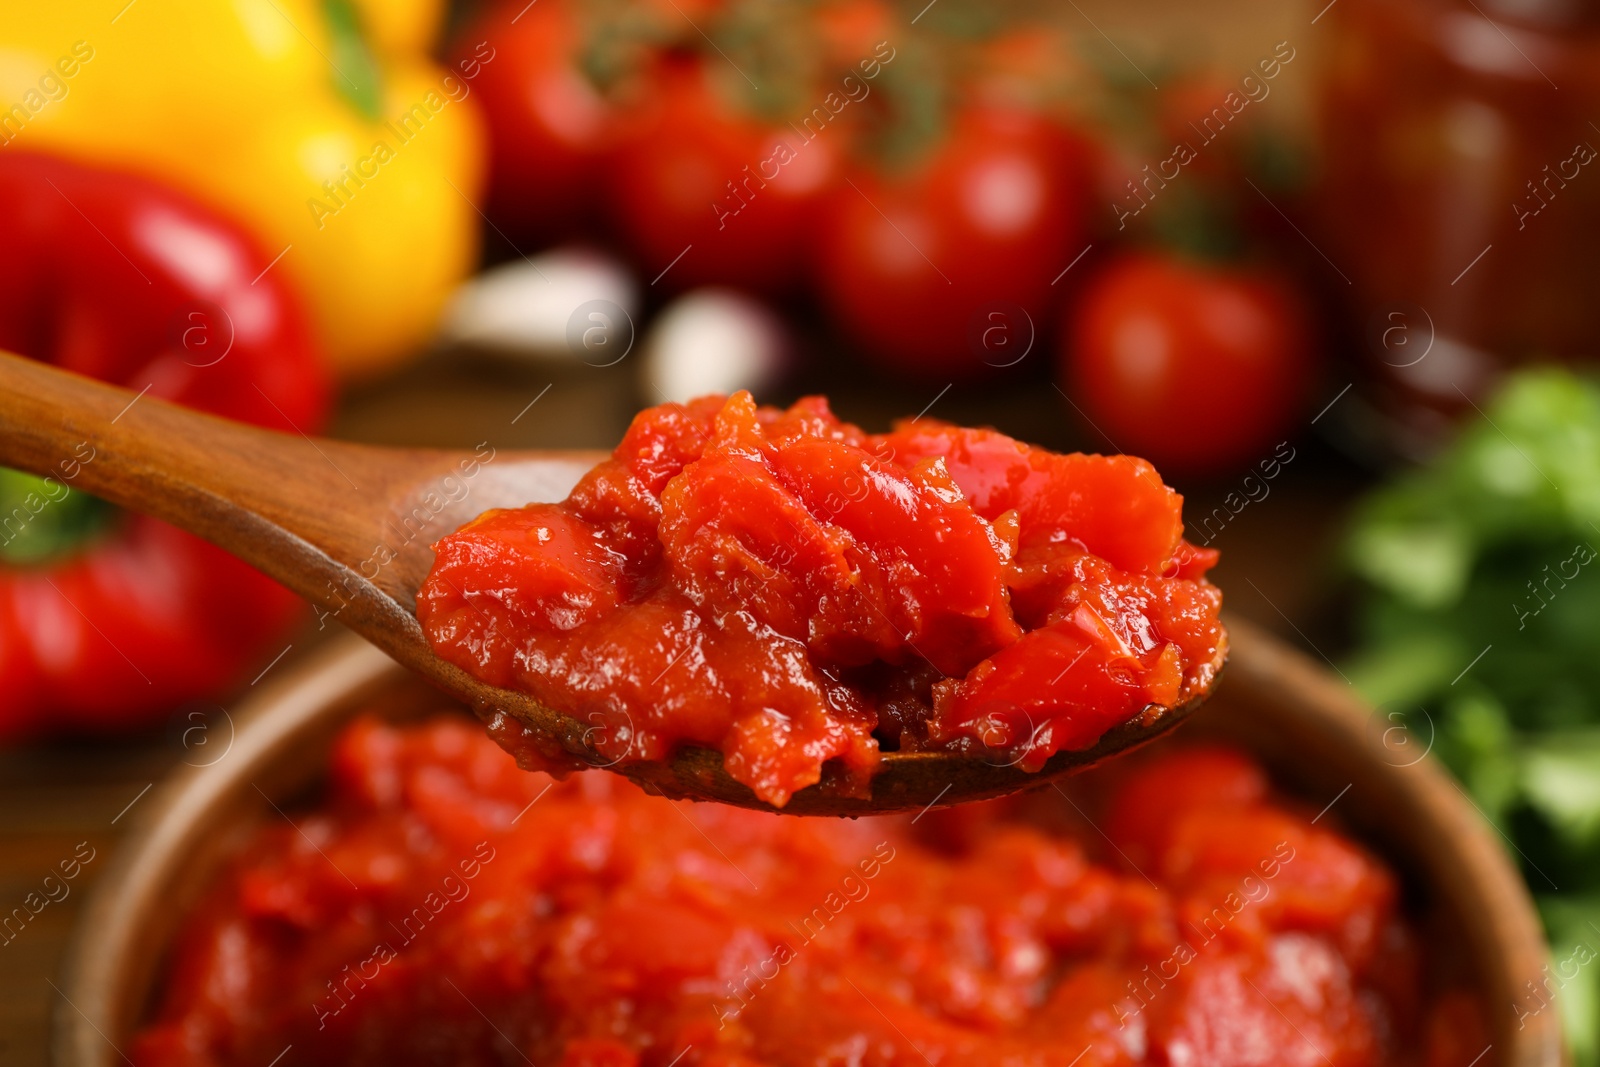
{"x":1321,"y":743}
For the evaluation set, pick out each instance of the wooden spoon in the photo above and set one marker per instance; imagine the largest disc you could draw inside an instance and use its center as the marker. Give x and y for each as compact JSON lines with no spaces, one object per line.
{"x":350,"y":528}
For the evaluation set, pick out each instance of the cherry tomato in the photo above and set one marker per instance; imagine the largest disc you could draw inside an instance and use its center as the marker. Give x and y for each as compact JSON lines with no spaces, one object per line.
{"x":549,"y":127}
{"x":736,"y":199}
{"x":944,"y":271}
{"x":1028,"y":63}
{"x":1196,"y":112}
{"x":1197,"y":367}
{"x":851,"y":30}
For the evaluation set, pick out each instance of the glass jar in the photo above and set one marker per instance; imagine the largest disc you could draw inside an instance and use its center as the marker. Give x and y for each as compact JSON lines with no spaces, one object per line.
{"x":1460,"y":191}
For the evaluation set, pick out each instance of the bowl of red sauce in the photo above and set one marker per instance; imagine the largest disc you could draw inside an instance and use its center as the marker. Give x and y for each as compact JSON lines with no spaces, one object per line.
{"x":366,"y":877}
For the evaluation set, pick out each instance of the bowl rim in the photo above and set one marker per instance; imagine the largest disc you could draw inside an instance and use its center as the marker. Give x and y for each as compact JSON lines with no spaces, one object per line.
{"x":102,"y":954}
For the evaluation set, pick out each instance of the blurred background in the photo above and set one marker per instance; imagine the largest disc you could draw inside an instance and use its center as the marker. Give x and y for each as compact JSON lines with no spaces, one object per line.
{"x":1330,"y":265}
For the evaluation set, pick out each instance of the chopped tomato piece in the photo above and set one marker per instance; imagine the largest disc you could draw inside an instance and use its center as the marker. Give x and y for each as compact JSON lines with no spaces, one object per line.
{"x":788,"y":589}
{"x":456,"y":910}
{"x":1116,"y":507}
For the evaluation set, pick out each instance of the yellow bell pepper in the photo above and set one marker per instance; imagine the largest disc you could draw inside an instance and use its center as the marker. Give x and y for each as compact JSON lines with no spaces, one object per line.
{"x":319,"y":124}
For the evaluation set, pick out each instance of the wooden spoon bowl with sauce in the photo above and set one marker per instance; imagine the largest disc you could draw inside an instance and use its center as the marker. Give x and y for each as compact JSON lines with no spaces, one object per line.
{"x":349,"y":527}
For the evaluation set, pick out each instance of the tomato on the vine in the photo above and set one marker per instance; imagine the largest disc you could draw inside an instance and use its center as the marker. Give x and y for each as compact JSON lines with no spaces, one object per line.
{"x":914,"y":265}
{"x":1195,"y":366}
{"x":549,"y":126}
{"x":736,"y":198}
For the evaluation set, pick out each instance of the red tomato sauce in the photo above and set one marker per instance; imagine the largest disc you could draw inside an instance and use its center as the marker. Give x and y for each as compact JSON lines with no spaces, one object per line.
{"x":441,"y":906}
{"x":790,"y":590}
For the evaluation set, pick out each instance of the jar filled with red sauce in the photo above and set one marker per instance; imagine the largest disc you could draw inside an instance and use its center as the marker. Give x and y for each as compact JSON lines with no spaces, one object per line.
{"x":440,"y":906}
{"x":1460,"y":190}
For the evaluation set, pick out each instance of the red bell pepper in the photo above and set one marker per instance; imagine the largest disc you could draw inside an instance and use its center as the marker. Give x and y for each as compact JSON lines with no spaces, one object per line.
{"x":108,"y":618}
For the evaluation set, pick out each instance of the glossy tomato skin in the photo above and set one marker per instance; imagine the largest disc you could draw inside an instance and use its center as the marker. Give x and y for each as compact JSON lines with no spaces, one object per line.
{"x":911,"y":264}
{"x":1197,"y":367}
{"x":549,"y":127}
{"x":692,"y":172}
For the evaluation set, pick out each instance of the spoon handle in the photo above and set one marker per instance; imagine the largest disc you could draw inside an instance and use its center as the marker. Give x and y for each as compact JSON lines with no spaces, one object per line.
{"x":347,"y":526}
{"x":289,"y":505}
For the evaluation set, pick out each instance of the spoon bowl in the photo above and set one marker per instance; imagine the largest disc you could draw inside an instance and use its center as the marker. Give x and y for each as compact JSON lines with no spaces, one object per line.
{"x":350,"y":527}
